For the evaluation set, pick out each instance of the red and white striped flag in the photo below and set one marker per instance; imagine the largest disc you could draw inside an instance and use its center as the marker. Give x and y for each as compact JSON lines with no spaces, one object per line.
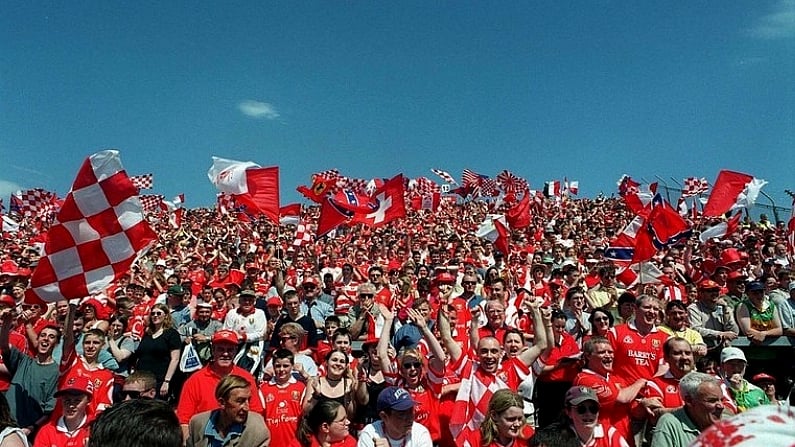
{"x":99,"y":231}
{"x":144,"y":181}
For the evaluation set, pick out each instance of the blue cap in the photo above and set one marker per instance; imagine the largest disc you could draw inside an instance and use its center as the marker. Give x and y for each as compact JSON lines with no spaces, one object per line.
{"x":755,"y":286}
{"x":394,"y":398}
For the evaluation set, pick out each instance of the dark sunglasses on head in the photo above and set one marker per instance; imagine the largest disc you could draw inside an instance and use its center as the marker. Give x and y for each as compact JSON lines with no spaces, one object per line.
{"x":587,"y":408}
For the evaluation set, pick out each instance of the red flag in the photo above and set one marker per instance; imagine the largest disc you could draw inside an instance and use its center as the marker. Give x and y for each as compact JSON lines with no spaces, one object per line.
{"x":320,"y":188}
{"x":263,"y":192}
{"x":390,"y":201}
{"x":502,"y":241}
{"x":732,"y":189}
{"x":429,"y":201}
{"x":519,"y":215}
{"x":722,"y":229}
{"x":331,"y":216}
{"x":98,"y":233}
{"x":663,"y":227}
{"x":290,"y":214}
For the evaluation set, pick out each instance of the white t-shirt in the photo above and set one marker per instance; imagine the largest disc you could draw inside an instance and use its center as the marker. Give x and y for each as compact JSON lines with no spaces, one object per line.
{"x":419,"y":436}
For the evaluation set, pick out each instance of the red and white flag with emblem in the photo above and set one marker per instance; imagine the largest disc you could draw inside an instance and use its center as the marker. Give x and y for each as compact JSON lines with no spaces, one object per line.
{"x":391,"y":203}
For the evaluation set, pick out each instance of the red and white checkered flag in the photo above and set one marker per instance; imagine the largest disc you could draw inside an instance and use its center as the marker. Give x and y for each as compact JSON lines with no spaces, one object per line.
{"x":424,"y":186}
{"x":445,"y":176}
{"x":357,"y":185}
{"x":99,"y":232}
{"x":151,"y":202}
{"x":37,"y":202}
{"x":303,"y":234}
{"x":145,"y":181}
{"x":694,"y":186}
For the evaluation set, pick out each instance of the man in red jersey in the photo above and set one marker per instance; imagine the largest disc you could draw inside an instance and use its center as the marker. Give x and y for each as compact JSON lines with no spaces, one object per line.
{"x":638,"y":344}
{"x":662,"y":393}
{"x":195,"y":397}
{"x":282,"y":396}
{"x":615,"y":395}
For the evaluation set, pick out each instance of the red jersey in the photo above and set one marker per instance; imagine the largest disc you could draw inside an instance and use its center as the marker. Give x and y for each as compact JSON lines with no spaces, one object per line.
{"x":197,"y":393}
{"x":73,"y":365}
{"x":55,"y":434}
{"x":611,"y":412}
{"x":426,"y":396}
{"x":346,"y":297}
{"x":636,"y":356}
{"x":665,"y":388}
{"x":568,"y":349}
{"x":282,"y":409}
{"x":606,"y":436}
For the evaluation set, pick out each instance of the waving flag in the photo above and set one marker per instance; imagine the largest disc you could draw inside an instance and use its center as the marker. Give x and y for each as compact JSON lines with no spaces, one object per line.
{"x":694,"y":186}
{"x":144,"y":181}
{"x":511,"y":183}
{"x":622,"y":247}
{"x":721,"y":230}
{"x":496,"y":230}
{"x":732,"y":190}
{"x":664,"y":227}
{"x":290,"y":214}
{"x":475,"y":181}
{"x":99,"y":231}
{"x":518,"y":216}
{"x":445,"y":176}
{"x":255,"y":187}
{"x":390,"y":203}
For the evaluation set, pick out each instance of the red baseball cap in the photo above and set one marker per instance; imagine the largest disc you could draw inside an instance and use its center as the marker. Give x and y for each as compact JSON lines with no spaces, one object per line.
{"x":79,"y":384}
{"x":226,"y":336}
{"x":708,"y":284}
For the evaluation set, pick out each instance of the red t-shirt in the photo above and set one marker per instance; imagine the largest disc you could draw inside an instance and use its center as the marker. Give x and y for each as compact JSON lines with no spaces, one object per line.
{"x":665,"y":388}
{"x":198,"y":393}
{"x":73,"y":365}
{"x":54,"y":434}
{"x":636,"y":356}
{"x":282,"y":409}
{"x":611,"y":412}
{"x":568,"y":348}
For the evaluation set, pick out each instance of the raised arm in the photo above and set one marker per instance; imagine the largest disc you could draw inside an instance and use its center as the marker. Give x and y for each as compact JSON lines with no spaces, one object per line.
{"x":453,"y":349}
{"x":437,"y":361}
{"x":542,"y":325}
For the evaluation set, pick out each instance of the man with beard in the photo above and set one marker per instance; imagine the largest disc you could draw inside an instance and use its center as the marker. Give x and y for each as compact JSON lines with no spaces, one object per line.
{"x":662,"y":393}
{"x":232,"y":424}
{"x":195,"y":398}
{"x":701,"y":394}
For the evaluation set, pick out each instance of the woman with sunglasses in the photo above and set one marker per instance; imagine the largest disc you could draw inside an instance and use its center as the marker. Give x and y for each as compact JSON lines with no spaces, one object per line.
{"x":410,"y":371}
{"x":159,"y":349}
{"x":581,"y":416}
{"x":325,"y":425}
{"x":337,"y":384}
{"x":601,"y":321}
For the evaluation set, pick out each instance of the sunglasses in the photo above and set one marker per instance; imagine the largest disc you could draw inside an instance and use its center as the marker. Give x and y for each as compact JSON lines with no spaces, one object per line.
{"x":132,"y":394}
{"x":409,"y":365}
{"x":287,"y":337}
{"x":587,"y":408}
{"x":366,"y":295}
{"x":157,"y":314}
{"x":469,"y":283}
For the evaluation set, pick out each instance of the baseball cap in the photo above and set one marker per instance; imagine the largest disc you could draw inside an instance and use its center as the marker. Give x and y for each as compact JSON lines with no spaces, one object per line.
{"x":579,"y":394}
{"x":445,"y":277}
{"x":736,"y":274}
{"x":732,"y":353}
{"x":755,"y":286}
{"x":247,"y":292}
{"x":225,"y":336}
{"x":394,"y":398}
{"x":204,"y":304}
{"x":762,"y":377}
{"x":708,"y":284}
{"x":7,"y":300}
{"x":310,"y":279}
{"x":79,"y":384}
{"x":274,"y":301}
{"x":176,"y":290}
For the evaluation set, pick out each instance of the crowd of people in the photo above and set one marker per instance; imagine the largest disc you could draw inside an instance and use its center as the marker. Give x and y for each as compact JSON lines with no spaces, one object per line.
{"x":417,"y":333}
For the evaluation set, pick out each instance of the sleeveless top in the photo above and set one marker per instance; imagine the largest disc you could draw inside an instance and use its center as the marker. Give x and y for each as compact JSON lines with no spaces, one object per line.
{"x":761,"y":320}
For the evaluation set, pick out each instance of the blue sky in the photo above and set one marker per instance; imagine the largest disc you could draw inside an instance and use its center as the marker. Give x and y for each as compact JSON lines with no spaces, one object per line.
{"x":547,"y":89}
